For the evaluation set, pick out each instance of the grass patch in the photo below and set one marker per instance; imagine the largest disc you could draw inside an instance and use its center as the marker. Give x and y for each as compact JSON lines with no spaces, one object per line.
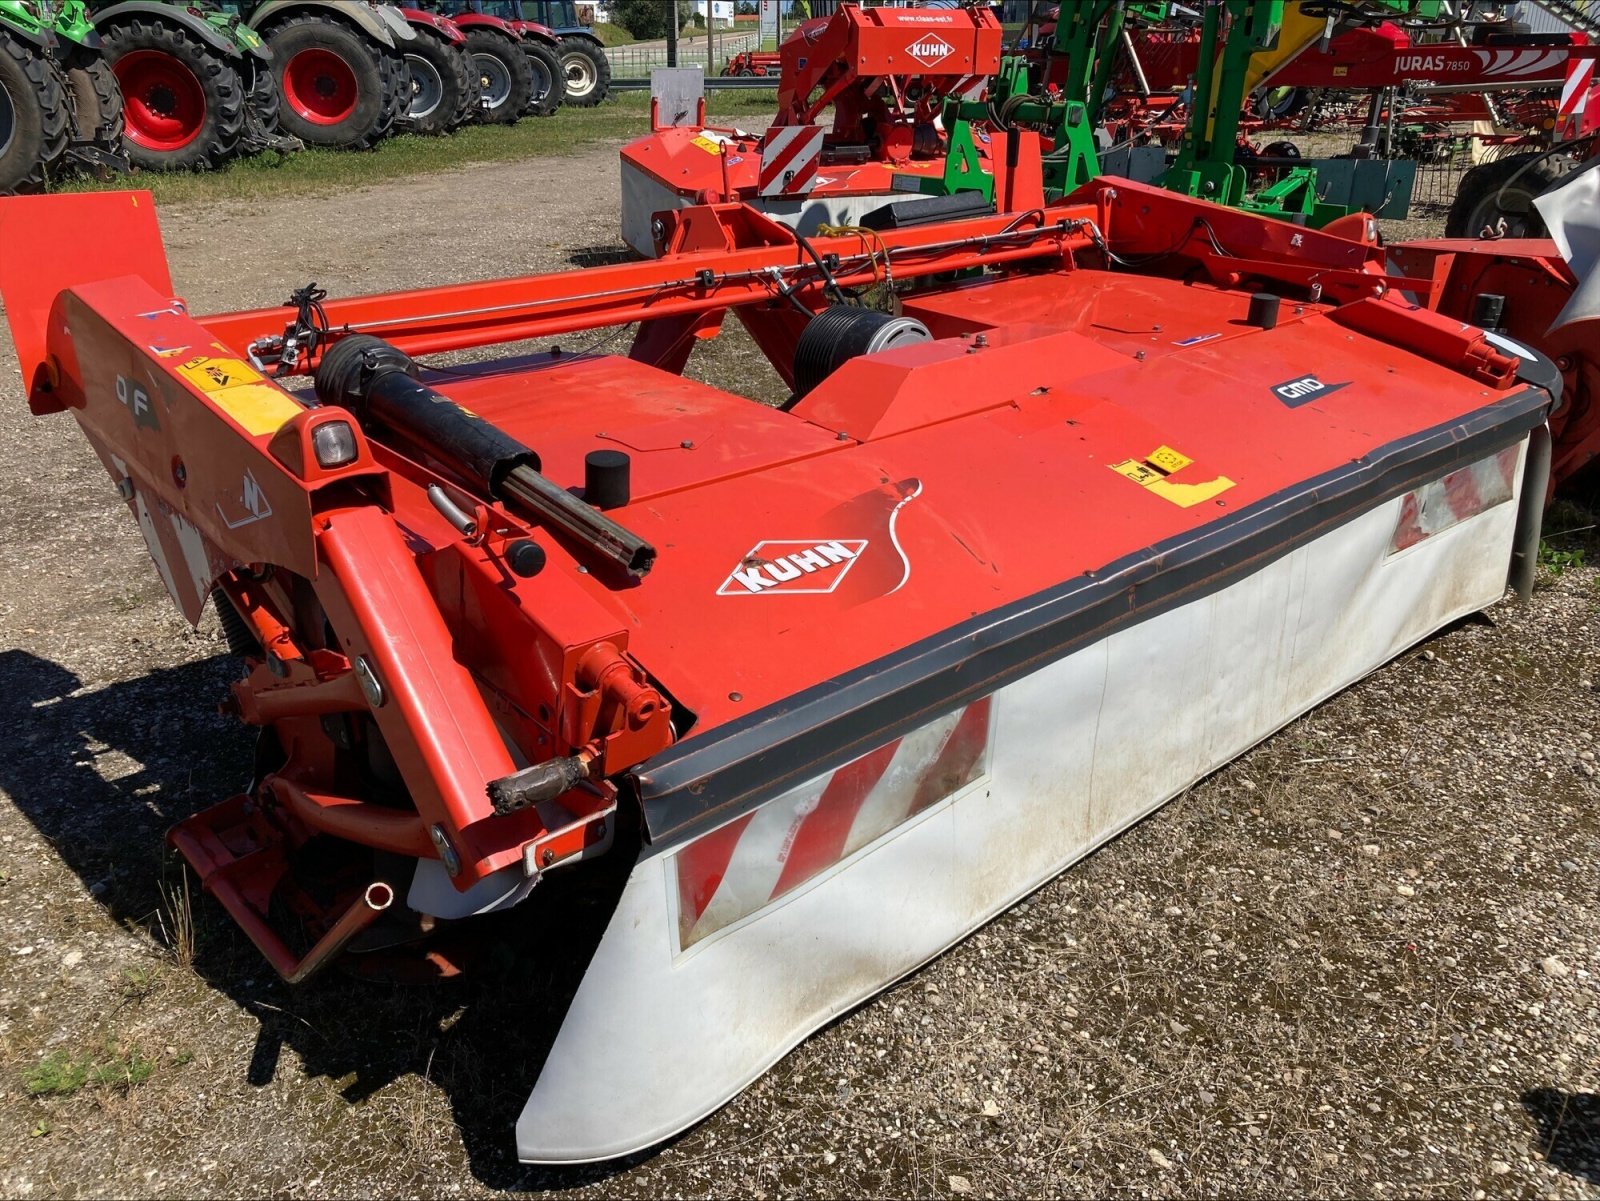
{"x":58,"y":1075}
{"x":1557,"y":560}
{"x":62,"y":1075}
{"x":612,"y":35}
{"x":321,"y":172}
{"x":139,"y":982}
{"x":1571,"y":532}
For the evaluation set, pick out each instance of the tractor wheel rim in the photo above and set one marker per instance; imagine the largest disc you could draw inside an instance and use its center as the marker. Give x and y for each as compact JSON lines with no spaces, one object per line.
{"x":542,"y":81}
{"x":580,"y":74}
{"x":427,"y":88}
{"x":496,"y":79}
{"x":8,"y":120}
{"x":320,"y":86}
{"x":164,"y":105}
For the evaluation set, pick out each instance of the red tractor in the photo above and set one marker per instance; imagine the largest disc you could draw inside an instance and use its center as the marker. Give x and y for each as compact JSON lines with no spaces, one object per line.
{"x":446,"y":90}
{"x":519,"y":61}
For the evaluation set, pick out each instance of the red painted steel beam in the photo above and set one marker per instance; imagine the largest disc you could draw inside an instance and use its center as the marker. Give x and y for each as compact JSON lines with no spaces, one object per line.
{"x":433,"y":718}
{"x":455,"y":317}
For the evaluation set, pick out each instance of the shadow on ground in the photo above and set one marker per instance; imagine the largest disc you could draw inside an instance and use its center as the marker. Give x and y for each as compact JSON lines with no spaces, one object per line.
{"x":480,"y":1038}
{"x":601,"y":256}
{"x":1568,"y":1130}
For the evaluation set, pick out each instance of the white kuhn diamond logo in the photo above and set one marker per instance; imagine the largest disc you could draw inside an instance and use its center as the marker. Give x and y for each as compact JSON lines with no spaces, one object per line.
{"x":930,"y":49}
{"x":793,"y":565}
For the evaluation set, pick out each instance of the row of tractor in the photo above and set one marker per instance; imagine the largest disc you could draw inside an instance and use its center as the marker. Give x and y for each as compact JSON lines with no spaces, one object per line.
{"x":104,"y":85}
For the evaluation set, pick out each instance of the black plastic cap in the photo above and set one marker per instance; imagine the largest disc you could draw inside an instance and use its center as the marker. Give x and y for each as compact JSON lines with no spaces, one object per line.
{"x":1264,"y":310}
{"x":607,"y":479}
{"x":525,"y":557}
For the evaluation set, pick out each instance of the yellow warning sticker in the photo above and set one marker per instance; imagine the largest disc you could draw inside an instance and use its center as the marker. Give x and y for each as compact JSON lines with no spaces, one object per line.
{"x":1151,"y":473}
{"x":1168,"y":460}
{"x":1187,"y":495}
{"x":1139,"y":472}
{"x":260,"y":408}
{"x":213,"y":375}
{"x":709,"y":145}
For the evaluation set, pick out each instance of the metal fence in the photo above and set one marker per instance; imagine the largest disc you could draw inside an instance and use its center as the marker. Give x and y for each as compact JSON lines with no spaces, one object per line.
{"x":634,"y":62}
{"x":713,"y":83}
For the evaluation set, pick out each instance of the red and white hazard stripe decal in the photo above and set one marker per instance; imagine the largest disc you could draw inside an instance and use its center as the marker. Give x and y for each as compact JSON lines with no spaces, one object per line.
{"x":1575,"y":95}
{"x":1445,"y":502}
{"x":753,"y":862}
{"x":790,"y":156}
{"x":1524,"y":65}
{"x":970,"y":87}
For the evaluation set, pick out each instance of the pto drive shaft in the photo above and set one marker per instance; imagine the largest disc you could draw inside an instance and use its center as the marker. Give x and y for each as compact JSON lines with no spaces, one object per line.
{"x":378,"y":383}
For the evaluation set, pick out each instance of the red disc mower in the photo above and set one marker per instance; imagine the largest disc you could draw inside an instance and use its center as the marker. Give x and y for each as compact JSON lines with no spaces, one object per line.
{"x":793,"y":697}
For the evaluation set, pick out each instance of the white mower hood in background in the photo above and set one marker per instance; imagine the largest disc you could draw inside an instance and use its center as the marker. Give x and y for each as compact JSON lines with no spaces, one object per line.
{"x":1572,"y":214}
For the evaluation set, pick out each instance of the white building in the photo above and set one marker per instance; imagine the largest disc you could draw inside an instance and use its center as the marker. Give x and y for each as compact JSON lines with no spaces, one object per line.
{"x":721,"y":11}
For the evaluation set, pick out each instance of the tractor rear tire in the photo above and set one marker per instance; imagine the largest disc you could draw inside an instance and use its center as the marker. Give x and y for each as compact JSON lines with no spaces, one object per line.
{"x":183,"y":102}
{"x":441,"y":81}
{"x":34,"y":118}
{"x":1503,"y":190}
{"x":338,"y":89}
{"x":549,"y":84}
{"x":505,"y":73}
{"x":587,"y":71}
{"x":472,"y":96}
{"x":97,"y":111}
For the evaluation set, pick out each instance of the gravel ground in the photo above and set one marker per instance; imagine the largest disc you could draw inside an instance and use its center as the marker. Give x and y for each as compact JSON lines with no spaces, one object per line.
{"x":1364,"y":959}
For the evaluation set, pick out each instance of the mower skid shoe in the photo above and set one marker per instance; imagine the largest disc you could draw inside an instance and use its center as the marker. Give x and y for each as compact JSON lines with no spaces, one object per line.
{"x":730,"y":946}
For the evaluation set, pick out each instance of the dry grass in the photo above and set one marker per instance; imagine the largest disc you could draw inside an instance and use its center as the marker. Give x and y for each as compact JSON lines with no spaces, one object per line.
{"x":175,"y":919}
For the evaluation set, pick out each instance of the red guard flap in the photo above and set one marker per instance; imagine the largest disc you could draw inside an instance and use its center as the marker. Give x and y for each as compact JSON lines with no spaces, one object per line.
{"x":51,"y":243}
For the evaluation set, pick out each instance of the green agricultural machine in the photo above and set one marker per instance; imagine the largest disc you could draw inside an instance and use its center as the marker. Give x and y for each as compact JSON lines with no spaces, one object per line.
{"x":34,"y":118}
{"x":59,"y":102}
{"x":1241,"y":44}
{"x":341,"y":67}
{"x":211,"y":79}
{"x":196,"y":81}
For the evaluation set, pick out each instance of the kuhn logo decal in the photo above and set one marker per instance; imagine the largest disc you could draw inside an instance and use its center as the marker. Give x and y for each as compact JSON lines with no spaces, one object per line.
{"x":930,"y":49}
{"x":793,"y":566}
{"x":1303,"y":389}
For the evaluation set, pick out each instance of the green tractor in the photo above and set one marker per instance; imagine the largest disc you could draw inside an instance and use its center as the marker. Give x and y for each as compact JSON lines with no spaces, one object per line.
{"x":35,"y":120}
{"x":59,"y":102}
{"x":197,"y":83}
{"x":340,"y":67}
{"x":93,"y":95}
